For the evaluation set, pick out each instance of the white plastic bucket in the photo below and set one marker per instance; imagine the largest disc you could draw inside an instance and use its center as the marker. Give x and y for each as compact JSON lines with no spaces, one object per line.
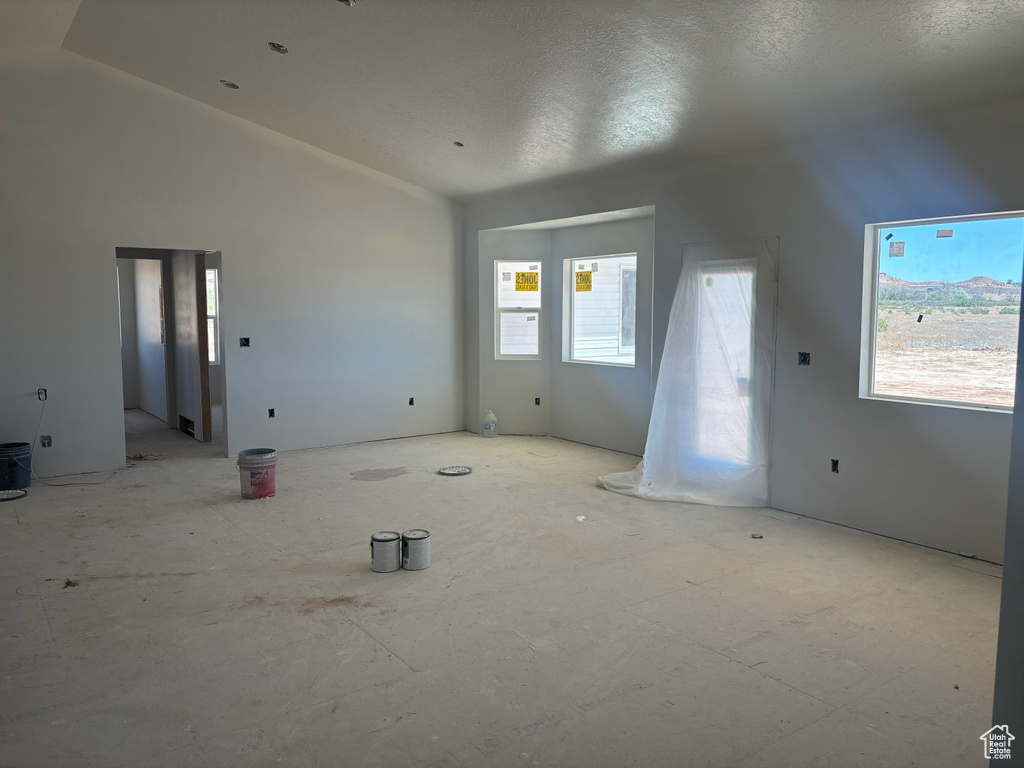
{"x":257,"y":469}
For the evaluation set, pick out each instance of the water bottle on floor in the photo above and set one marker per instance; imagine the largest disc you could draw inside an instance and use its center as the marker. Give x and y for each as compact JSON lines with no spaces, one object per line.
{"x":490,"y":424}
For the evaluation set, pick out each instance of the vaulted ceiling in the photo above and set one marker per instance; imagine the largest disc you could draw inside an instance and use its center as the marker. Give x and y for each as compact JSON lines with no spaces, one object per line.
{"x":536,"y":89}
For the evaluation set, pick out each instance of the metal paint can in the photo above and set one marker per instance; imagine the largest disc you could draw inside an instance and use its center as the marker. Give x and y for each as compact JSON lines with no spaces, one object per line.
{"x":416,"y":549}
{"x":385,"y":551}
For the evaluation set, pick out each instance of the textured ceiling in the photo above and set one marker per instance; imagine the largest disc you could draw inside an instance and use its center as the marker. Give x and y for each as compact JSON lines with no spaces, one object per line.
{"x":34,"y":23}
{"x":542,"y":88}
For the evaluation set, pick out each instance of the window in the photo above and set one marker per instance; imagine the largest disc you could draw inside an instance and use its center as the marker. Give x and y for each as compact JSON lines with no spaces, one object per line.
{"x":602,"y":312}
{"x":627,"y":307}
{"x":212,"y":312}
{"x":517,"y":305}
{"x":941,"y":310}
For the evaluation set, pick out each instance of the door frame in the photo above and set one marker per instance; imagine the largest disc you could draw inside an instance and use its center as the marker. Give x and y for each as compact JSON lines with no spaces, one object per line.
{"x":167,"y":298}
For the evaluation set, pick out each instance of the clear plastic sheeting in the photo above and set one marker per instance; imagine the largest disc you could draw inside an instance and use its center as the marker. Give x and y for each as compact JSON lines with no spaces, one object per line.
{"x":708,"y":441}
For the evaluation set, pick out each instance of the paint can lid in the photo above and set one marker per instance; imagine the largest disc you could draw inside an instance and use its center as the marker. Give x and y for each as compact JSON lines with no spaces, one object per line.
{"x":416,"y":533}
{"x":386,"y":536}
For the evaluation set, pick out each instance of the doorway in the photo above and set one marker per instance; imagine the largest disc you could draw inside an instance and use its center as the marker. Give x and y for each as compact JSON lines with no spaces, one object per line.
{"x":725,"y":342}
{"x":710,"y":431}
{"x":172,"y":361}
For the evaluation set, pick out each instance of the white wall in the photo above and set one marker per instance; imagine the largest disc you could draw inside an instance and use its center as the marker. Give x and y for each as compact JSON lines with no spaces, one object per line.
{"x":152,"y":372}
{"x":510,"y":387}
{"x":603,"y":405}
{"x":1008,"y":703}
{"x":129,"y":340}
{"x":216,"y":388}
{"x":937,"y":476}
{"x":347,"y":281}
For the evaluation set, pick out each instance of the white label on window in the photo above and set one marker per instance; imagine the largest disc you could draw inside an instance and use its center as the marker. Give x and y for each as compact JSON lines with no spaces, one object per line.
{"x":896,"y":249}
{"x":593,"y":267}
{"x":533,"y":267}
{"x":530,"y":317}
{"x":506,"y":277}
{"x":944,"y":233}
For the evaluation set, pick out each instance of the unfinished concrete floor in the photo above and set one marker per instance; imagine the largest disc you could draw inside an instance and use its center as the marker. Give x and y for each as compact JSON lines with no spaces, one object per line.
{"x":558,"y":625}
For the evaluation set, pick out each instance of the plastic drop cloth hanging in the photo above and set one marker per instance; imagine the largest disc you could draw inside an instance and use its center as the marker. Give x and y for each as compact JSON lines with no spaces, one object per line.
{"x":708,"y":440}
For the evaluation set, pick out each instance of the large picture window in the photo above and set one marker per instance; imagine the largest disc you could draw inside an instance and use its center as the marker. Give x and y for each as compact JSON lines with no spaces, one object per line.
{"x":601,"y":306}
{"x":941,"y":310}
{"x":517,"y":307}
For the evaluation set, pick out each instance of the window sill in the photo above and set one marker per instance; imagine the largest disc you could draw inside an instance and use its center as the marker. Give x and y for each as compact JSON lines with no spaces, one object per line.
{"x":600,"y":362}
{"x":1008,"y":410}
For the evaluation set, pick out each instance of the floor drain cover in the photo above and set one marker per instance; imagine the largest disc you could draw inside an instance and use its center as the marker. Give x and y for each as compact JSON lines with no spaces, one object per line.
{"x":453,"y":471}
{"x":12,"y":495}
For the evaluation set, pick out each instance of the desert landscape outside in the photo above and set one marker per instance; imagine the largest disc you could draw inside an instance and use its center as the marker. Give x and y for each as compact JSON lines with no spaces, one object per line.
{"x":947,"y":341}
{"x":947,"y":310}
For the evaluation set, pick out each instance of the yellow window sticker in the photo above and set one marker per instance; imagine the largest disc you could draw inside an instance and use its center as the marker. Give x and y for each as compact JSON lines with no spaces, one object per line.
{"x":584,"y":280}
{"x":527,"y":281}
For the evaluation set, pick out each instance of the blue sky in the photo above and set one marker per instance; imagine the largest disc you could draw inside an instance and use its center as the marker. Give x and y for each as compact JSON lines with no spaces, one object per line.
{"x":993,"y":248}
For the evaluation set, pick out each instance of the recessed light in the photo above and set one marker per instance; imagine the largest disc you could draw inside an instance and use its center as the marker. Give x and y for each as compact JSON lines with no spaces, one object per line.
{"x":277,"y":48}
{"x":458,"y":144}
{"x":229,"y":84}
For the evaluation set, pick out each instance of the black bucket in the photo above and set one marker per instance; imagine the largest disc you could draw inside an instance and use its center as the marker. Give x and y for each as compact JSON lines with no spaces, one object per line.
{"x":15,"y":466}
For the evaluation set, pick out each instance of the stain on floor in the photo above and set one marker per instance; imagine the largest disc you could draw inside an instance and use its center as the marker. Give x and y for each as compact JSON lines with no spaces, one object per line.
{"x":306,"y":605}
{"x":379,"y":474}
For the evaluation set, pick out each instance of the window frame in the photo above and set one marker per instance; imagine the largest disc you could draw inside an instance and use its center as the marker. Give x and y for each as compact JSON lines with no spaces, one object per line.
{"x":569,"y":309}
{"x":538,"y":310}
{"x":216,"y":313}
{"x":869,"y":310}
{"x":623,"y":269}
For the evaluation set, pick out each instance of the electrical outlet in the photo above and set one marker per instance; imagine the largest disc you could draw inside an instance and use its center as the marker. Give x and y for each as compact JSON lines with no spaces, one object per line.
{"x":244,"y":341}
{"x":270,"y":413}
{"x":835,"y":466}
{"x":41,"y":393}
{"x":46,"y":441}
{"x":536,"y":401}
{"x":412,"y":401}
